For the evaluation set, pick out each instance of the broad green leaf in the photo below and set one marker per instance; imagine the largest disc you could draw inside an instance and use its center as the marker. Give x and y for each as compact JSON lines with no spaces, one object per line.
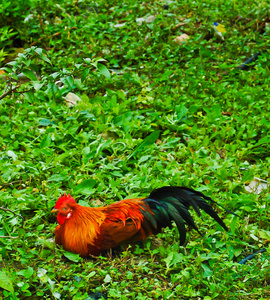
{"x":72,"y":256}
{"x":168,"y":260}
{"x":255,"y":149}
{"x":41,"y":273}
{"x":85,"y":73}
{"x":53,"y":90}
{"x":181,"y":111}
{"x":83,"y":203}
{"x":27,"y":273}
{"x":97,"y":60}
{"x":30,"y":96}
{"x":145,"y":158}
{"x":58,"y":177}
{"x":85,"y":187}
{"x":91,"y":274}
{"x":237,"y":251}
{"x":8,"y":70}
{"x":264,"y":234}
{"x":57,"y":295}
{"x":12,"y":63}
{"x":55,"y":75}
{"x":38,"y":51}
{"x":233,"y":223}
{"x":149,"y":140}
{"x":5,"y":282}
{"x":40,"y":227}
{"x":107,"y":278}
{"x":78,"y":66}
{"x":88,"y":60}
{"x":46,"y":141}
{"x":248,"y":175}
{"x":30,"y":74}
{"x":45,"y":58}
{"x":69,"y":81}
{"x":11,"y":154}
{"x":207,"y":271}
{"x":37,"y":85}
{"x":173,"y":259}
{"x":104,"y":71}
{"x":46,"y":243}
{"x":44,"y":122}
{"x":87,"y":115}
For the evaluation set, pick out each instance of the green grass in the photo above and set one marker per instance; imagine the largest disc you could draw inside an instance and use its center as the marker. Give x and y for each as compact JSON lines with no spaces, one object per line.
{"x":208,"y":125}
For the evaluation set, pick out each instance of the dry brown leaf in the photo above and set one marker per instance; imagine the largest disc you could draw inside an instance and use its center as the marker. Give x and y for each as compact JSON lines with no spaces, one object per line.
{"x":179,"y":25}
{"x":181,"y":38}
{"x":226,"y":113}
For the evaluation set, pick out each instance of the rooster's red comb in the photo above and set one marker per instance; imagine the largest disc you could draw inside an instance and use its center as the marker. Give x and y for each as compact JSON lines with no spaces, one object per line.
{"x":62,"y":199}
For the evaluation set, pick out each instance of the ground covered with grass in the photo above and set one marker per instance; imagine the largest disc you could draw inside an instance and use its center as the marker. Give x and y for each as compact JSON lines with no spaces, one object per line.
{"x":152,"y":112}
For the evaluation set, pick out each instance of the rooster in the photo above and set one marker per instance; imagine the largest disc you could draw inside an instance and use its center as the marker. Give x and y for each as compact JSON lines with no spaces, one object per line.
{"x":92,"y":230}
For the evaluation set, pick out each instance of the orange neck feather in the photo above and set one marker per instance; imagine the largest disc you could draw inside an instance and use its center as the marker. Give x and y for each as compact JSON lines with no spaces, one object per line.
{"x":79,"y":232}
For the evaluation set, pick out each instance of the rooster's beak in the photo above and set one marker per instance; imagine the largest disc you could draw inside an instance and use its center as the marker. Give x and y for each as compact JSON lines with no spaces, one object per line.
{"x":54,"y":210}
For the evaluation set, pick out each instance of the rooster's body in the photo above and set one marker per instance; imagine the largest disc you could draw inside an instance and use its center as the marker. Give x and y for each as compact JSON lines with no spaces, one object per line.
{"x":89,"y":231}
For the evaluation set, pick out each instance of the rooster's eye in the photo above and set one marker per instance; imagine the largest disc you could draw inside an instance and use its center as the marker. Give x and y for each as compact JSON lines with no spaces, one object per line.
{"x":64,"y":208}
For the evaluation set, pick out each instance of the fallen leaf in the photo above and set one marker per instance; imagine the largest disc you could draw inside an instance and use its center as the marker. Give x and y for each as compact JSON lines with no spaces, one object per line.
{"x":72,"y":99}
{"x":97,"y":203}
{"x":256,"y":186}
{"x":179,"y":25}
{"x":181,"y":38}
{"x":119,"y":25}
{"x":140,"y":21}
{"x":150,"y":19}
{"x":226,"y":113}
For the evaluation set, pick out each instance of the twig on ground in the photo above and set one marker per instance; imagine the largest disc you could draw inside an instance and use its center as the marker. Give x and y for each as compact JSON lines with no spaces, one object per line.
{"x":9,"y":210}
{"x":10,"y":183}
{"x":50,"y":36}
{"x":9,"y":92}
{"x":70,"y":101}
{"x":55,"y":34}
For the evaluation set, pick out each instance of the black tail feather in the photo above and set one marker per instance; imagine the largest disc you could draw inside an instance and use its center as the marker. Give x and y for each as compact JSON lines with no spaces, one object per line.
{"x":200,"y":194}
{"x":182,"y":210}
{"x":173,"y":203}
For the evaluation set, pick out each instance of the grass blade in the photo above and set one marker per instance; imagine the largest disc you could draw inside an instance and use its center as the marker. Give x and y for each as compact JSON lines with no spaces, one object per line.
{"x":149,"y":140}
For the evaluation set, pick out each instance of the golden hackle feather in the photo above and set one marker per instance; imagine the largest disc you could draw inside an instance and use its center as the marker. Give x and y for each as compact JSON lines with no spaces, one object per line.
{"x":78,"y":233}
